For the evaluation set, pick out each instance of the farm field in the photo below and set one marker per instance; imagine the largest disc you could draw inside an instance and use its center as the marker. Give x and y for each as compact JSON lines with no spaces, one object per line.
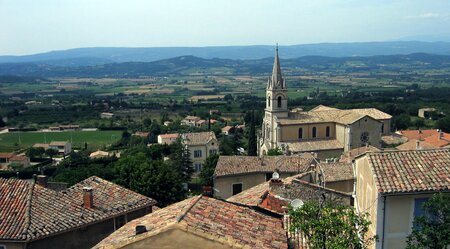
{"x":13,"y":141}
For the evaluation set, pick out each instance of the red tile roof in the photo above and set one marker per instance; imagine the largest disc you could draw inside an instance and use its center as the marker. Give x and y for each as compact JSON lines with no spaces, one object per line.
{"x":418,"y":134}
{"x":411,"y":171}
{"x":233,"y":165}
{"x":29,"y":211}
{"x":412,"y":145}
{"x":438,"y":140}
{"x":172,"y":135}
{"x":217,"y":220}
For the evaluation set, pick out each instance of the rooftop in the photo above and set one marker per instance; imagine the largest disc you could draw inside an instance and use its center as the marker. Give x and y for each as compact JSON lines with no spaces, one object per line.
{"x":412,"y":145}
{"x":30,"y":211}
{"x":233,"y":165}
{"x":198,"y":138}
{"x":411,"y":171}
{"x":172,"y":135}
{"x":418,"y":134}
{"x":227,"y":223}
{"x":353,"y":153}
{"x":314,"y":145}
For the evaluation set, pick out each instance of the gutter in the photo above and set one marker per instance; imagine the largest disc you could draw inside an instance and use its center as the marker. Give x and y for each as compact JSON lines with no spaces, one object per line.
{"x":384,"y":221}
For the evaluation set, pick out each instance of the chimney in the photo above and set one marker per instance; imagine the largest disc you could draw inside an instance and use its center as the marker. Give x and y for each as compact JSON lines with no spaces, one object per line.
{"x":88,"y":198}
{"x":441,"y":135}
{"x":417,"y":145}
{"x":207,"y":191}
{"x":140,"y":229}
{"x":275,"y":183}
{"x":42,"y":180}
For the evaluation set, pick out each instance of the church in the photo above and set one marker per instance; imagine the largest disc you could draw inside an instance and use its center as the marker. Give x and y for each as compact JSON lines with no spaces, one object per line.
{"x":323,"y":130}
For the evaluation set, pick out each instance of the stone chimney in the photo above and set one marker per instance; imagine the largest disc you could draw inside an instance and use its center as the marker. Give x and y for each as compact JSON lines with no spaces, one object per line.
{"x":88,"y":198}
{"x":42,"y":180}
{"x":417,"y":145}
{"x":275,"y":183}
{"x":441,"y":135}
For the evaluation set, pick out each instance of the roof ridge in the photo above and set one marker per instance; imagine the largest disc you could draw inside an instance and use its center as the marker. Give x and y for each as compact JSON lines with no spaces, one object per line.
{"x":29,"y":202}
{"x":183,"y":214}
{"x":410,"y":150}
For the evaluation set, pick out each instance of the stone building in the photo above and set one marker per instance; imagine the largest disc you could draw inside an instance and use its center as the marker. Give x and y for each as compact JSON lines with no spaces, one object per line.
{"x":325,"y":130}
{"x":33,"y":216}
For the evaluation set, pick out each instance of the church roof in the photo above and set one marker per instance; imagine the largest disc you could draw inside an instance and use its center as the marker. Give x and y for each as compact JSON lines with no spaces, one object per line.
{"x":314,"y":145}
{"x":325,"y":114}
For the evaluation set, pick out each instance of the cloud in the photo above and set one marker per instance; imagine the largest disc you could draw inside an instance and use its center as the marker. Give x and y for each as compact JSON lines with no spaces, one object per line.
{"x":428,"y":15}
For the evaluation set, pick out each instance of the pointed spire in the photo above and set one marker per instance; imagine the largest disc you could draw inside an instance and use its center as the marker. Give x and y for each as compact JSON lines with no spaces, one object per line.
{"x":277,"y":79}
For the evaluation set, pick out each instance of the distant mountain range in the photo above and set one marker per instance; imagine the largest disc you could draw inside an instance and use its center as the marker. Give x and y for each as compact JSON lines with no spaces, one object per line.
{"x":188,"y":65}
{"x":104,"y":55}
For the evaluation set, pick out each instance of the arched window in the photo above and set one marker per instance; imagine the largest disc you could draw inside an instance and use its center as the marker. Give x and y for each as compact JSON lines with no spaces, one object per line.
{"x":279,"y":101}
{"x":314,"y":132}
{"x":267,"y":132}
{"x":382,"y":127}
{"x":300,"y":133}
{"x":327,"y":131}
{"x":268,"y":101}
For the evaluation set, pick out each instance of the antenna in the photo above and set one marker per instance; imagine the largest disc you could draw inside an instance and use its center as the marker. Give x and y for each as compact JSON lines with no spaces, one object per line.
{"x":275,"y":175}
{"x":296,"y":204}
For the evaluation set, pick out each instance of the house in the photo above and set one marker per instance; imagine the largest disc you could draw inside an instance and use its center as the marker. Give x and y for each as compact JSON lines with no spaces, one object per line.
{"x":227,"y":130}
{"x":234,"y":174}
{"x":199,"y":223}
{"x":167,"y":138}
{"x":200,"y":145}
{"x":141,"y":134}
{"x":214,"y":111}
{"x":106,"y":115}
{"x":33,"y":216}
{"x":99,"y":154}
{"x":425,"y":112}
{"x":190,"y":121}
{"x":6,"y":159}
{"x":430,"y":138}
{"x":350,"y":155}
{"x":63,"y":147}
{"x":324,"y":130}
{"x":167,"y":123}
{"x":391,"y":187}
{"x":69,"y":127}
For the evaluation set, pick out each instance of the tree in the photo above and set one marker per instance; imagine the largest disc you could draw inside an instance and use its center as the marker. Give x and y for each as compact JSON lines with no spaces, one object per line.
{"x":274,"y":152}
{"x":154,"y":179}
{"x":206,"y":175}
{"x":180,"y":159}
{"x":419,"y":123}
{"x":2,"y":123}
{"x":50,"y":152}
{"x":331,"y":225}
{"x":252,"y":146}
{"x":432,"y":230}
{"x":33,"y":152}
{"x":402,"y":121}
{"x":444,"y":124}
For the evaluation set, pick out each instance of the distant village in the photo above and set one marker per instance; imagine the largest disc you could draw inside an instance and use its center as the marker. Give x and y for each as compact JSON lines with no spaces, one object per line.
{"x":347,"y":157}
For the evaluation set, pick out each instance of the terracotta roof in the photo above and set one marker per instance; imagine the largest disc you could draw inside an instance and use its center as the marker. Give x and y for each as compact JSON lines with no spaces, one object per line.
{"x":324,"y":114}
{"x":411,"y":171}
{"x":353,"y":153}
{"x":335,"y":172}
{"x":277,"y":198}
{"x":198,"y":138}
{"x":438,"y":140}
{"x":6,"y":155}
{"x":220,"y":221}
{"x":172,"y":135}
{"x":412,"y":145}
{"x":226,"y":128}
{"x":29,"y":211}
{"x":233,"y":165}
{"x":314,"y":145}
{"x":109,"y":198}
{"x":191,"y":118}
{"x":418,"y":134}
{"x":59,"y":143}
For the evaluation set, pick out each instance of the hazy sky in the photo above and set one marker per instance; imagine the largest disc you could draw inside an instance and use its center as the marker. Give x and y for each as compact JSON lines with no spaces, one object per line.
{"x":32,"y":26}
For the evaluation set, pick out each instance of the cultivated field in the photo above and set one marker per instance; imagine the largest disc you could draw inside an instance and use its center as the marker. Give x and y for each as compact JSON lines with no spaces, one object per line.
{"x":20,"y":140}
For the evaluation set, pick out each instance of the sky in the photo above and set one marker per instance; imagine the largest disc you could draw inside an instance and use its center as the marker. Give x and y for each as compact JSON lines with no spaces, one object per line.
{"x":35,"y":26}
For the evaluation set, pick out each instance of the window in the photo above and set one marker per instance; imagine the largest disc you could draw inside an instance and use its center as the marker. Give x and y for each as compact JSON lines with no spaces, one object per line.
{"x":212,"y":152}
{"x":382,"y":127}
{"x":300,"y":133}
{"x":267,"y":132}
{"x":268,"y":176}
{"x":327,"y":131}
{"x":418,"y":207}
{"x":268,"y":101}
{"x":197,"y":153}
{"x":237,"y":188}
{"x":314,"y":132}
{"x":198,"y":167}
{"x":2,"y":247}
{"x":279,"y":102}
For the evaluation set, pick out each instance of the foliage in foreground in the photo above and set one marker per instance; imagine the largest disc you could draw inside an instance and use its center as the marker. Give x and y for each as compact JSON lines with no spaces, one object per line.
{"x":206,"y":175}
{"x":331,"y":226}
{"x":433,"y":229}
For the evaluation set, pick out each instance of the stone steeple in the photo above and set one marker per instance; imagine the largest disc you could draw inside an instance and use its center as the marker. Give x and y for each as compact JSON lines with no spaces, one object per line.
{"x":276,"y":81}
